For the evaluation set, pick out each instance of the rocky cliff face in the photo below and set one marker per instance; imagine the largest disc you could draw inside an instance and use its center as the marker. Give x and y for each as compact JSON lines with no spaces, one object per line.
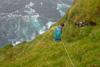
{"x":85,"y":11}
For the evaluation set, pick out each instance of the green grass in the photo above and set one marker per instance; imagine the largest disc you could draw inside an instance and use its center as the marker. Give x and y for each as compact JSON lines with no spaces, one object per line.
{"x":82,"y":43}
{"x":86,"y":10}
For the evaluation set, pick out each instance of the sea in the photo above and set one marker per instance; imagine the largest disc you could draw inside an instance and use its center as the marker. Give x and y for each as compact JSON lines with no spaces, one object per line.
{"x":22,"y":20}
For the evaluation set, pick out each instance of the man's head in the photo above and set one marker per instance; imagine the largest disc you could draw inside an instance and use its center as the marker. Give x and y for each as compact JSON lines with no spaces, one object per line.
{"x":62,"y":25}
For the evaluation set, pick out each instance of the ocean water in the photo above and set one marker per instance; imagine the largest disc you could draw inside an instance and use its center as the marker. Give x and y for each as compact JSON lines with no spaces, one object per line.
{"x":22,"y":20}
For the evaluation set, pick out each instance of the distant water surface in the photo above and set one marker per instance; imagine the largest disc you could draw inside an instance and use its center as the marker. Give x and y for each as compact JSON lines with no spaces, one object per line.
{"x":22,"y":20}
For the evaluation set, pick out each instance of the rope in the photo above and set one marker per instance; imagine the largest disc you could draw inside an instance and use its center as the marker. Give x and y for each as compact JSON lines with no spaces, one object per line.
{"x":68,"y":55}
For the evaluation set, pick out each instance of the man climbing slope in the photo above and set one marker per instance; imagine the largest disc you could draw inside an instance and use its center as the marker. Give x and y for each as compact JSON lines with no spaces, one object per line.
{"x":57,"y":32}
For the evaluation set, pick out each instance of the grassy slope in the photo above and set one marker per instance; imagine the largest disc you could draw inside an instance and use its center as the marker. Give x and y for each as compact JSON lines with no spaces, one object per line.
{"x":86,"y":10}
{"x":82,"y":43}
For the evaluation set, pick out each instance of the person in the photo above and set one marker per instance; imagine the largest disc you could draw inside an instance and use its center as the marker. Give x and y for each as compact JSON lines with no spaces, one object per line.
{"x":57,"y":32}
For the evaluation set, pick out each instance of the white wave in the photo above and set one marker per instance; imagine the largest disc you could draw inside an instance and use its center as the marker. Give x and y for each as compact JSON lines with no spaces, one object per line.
{"x":41,"y":3}
{"x":59,"y":8}
{"x":41,"y":31}
{"x":63,"y":5}
{"x":26,"y":18}
{"x":32,"y":37}
{"x":44,"y":27}
{"x":49,"y":24}
{"x":61,"y":12}
{"x":30,"y":11}
{"x":16,"y":42}
{"x":35,"y":16}
{"x":17,"y":29}
{"x":30,"y":5}
{"x":17,"y":11}
{"x":10,"y":15}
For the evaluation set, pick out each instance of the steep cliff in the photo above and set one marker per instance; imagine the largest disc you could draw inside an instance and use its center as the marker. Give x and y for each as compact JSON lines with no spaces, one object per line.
{"x":82,"y":43}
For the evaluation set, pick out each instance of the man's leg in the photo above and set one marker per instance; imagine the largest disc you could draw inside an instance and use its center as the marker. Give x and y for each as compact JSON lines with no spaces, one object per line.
{"x":55,"y":39}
